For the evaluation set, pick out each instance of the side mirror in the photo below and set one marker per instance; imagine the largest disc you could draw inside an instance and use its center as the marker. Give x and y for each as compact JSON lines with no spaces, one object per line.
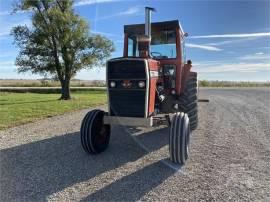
{"x":186,"y":34}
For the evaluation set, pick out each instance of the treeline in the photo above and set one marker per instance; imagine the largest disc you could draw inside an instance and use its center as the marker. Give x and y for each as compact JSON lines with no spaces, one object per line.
{"x":49,"y":83}
{"x":205,"y":83}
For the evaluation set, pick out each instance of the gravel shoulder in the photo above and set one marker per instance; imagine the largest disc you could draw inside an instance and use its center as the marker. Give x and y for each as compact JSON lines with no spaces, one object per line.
{"x":230,"y":157}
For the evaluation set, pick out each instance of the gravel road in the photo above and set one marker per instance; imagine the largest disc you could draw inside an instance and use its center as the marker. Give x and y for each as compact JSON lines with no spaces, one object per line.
{"x":230,"y":157}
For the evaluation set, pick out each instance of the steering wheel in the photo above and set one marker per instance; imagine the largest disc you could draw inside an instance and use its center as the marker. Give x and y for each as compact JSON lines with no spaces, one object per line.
{"x":156,"y":54}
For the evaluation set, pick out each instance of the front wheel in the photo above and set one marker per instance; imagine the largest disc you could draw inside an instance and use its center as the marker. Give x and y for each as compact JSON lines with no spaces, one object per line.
{"x":95,"y":135}
{"x":179,"y":138}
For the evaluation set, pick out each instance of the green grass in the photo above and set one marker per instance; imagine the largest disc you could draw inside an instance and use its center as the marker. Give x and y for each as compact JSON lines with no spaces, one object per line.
{"x":18,"y":108}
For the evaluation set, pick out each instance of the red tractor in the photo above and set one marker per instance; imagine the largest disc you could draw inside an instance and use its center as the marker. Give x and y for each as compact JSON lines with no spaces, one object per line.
{"x":150,"y":85}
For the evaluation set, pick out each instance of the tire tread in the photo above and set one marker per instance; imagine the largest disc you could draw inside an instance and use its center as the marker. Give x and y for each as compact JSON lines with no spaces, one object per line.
{"x":189,"y":100}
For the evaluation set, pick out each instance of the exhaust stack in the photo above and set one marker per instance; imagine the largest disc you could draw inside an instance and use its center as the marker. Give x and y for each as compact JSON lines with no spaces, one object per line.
{"x":145,"y":40}
{"x":148,"y":11}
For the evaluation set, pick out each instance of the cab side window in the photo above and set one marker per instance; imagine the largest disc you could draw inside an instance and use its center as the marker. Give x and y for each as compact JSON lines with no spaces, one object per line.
{"x":132,"y":47}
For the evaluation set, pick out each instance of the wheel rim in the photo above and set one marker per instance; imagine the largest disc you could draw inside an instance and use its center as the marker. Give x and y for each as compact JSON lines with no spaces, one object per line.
{"x":102,"y":135}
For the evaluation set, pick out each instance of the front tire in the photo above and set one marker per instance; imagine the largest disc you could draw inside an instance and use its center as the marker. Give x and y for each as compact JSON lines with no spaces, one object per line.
{"x":179,"y":138}
{"x":95,"y":136}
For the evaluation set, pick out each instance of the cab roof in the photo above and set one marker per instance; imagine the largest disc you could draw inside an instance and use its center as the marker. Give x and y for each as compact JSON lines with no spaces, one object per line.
{"x":155,"y":26}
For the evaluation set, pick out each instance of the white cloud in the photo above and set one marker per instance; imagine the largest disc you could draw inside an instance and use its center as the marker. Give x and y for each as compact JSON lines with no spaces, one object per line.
{"x":204,"y":47}
{"x":231,"y":67}
{"x":262,"y":34}
{"x":131,"y":11}
{"x":259,"y":53}
{"x":105,"y":33}
{"x":7,"y":66}
{"x":90,"y":2}
{"x":239,"y":40}
{"x":256,"y":56}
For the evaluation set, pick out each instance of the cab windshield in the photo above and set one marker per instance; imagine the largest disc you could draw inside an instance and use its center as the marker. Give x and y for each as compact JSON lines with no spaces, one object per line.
{"x":163,"y":45}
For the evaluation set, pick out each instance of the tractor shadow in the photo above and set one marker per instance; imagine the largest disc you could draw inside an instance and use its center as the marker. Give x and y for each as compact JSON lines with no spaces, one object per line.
{"x":34,"y":171}
{"x":134,"y":186}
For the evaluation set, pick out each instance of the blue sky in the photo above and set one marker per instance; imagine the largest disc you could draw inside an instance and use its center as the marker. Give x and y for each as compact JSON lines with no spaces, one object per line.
{"x":228,"y":40}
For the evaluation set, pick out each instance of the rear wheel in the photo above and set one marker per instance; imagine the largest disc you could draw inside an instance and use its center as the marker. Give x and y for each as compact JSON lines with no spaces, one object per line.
{"x":179,"y":138}
{"x":189,"y":99}
{"x":95,"y":136}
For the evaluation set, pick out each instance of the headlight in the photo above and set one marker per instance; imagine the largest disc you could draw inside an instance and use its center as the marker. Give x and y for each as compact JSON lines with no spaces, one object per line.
{"x":112,"y":84}
{"x":141,"y":84}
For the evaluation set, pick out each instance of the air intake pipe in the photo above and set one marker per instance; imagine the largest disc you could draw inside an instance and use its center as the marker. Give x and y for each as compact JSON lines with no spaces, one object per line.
{"x":145,"y":40}
{"x":148,"y":12}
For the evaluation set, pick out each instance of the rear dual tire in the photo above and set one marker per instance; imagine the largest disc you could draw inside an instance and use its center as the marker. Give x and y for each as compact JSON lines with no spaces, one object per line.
{"x":95,"y":136}
{"x":179,"y":138}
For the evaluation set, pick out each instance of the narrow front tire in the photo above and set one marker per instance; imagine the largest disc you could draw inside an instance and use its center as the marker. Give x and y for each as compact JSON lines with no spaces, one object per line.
{"x":95,"y":135}
{"x":179,"y":138}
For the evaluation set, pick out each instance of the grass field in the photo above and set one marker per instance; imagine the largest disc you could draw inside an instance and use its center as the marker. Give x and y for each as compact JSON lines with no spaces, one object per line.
{"x":18,"y":108}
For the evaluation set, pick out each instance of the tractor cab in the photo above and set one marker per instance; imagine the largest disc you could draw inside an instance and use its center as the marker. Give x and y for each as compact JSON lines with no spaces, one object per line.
{"x":165,"y":44}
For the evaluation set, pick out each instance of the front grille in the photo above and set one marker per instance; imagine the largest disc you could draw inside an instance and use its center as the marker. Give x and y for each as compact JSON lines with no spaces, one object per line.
{"x":127,"y":103}
{"x":126,"y":69}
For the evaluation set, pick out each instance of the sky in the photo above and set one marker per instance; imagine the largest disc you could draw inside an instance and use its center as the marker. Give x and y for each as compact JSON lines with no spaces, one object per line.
{"x":228,"y":40}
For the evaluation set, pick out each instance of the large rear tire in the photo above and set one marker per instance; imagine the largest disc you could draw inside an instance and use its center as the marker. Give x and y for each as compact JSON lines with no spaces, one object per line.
{"x":189,"y":99}
{"x":179,"y":138}
{"x":95,"y":136}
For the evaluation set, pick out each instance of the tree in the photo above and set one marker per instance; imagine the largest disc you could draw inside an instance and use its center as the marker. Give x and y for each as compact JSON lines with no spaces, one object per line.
{"x":59,"y":43}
